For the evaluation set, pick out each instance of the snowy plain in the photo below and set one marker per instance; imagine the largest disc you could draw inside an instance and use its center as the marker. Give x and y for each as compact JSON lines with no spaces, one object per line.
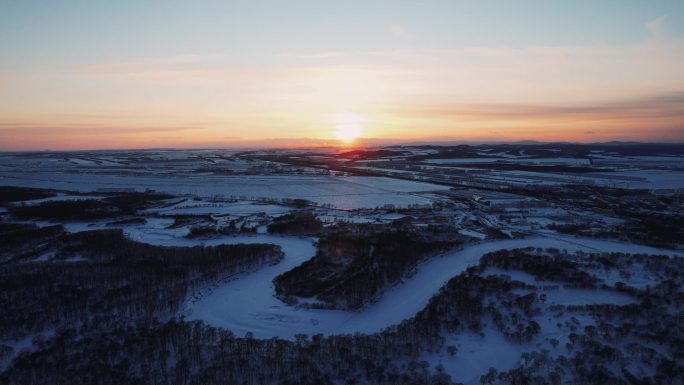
{"x":340,"y":192}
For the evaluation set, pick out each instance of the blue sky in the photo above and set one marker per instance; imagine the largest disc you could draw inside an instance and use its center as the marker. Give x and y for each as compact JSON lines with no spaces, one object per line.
{"x":73,"y":31}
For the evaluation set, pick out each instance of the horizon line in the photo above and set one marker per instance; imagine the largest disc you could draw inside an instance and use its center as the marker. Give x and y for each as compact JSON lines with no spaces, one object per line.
{"x":352,"y":147}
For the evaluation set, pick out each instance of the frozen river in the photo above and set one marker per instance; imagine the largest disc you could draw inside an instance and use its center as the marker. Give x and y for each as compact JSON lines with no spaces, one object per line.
{"x":248,"y":304}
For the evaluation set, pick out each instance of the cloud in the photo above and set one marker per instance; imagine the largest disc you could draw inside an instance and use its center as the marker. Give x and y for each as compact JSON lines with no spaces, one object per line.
{"x":478,"y":73}
{"x":650,"y":117}
{"x":655,"y":26}
{"x":314,"y":55}
{"x":657,"y":106}
{"x":37,"y":136}
{"x":343,"y":54}
{"x":174,"y":61}
{"x":400,"y":31}
{"x":41,"y":129}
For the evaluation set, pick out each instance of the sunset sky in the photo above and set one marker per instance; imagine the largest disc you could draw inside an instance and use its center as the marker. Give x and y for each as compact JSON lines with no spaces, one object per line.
{"x":86,"y":74}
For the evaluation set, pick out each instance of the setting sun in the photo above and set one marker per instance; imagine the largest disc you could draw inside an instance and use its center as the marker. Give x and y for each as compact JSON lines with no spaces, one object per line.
{"x":348,"y":132}
{"x":348,"y":126}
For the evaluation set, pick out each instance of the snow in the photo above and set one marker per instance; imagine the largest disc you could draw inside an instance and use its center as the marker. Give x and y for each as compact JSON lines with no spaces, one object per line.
{"x":392,"y":216}
{"x":513,"y":274}
{"x":513,"y":160}
{"x":25,"y":344}
{"x":464,"y":160}
{"x":247,"y":304}
{"x":75,"y":227}
{"x":653,"y":179}
{"x":50,"y":257}
{"x":62,"y":197}
{"x":82,"y":162}
{"x":636,"y":277}
{"x":43,"y":257}
{"x":557,"y":294}
{"x":349,"y":192}
{"x":157,"y":231}
{"x":565,"y":296}
{"x":472,"y":233}
{"x":559,"y":161}
{"x":218,"y":208}
{"x":476,"y":354}
{"x":76,"y":258}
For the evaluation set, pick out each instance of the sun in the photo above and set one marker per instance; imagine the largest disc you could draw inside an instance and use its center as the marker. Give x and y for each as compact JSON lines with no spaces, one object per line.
{"x":348,"y":126}
{"x":348,"y":132}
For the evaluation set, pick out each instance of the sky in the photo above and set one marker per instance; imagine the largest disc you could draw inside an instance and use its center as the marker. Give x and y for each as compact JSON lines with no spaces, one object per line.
{"x":89,"y":74}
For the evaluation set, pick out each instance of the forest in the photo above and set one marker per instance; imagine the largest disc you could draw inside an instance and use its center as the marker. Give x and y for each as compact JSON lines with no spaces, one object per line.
{"x":89,"y":207}
{"x":639,"y":343}
{"x":354,"y":264}
{"x":101,"y":276}
{"x":100,"y":308}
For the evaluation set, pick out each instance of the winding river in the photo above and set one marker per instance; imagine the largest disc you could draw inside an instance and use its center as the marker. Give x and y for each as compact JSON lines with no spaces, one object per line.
{"x":247,"y":303}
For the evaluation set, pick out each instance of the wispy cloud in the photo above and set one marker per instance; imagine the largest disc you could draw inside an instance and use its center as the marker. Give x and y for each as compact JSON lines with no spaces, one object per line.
{"x":658,"y":106}
{"x":655,"y":26}
{"x":400,"y":31}
{"x":641,"y":118}
{"x":314,"y":55}
{"x":343,"y":54}
{"x":36,"y":136}
{"x":81,"y":129}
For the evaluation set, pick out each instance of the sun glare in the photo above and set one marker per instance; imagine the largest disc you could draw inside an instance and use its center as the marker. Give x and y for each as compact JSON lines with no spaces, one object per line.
{"x":347,"y":132}
{"x":348,"y":127}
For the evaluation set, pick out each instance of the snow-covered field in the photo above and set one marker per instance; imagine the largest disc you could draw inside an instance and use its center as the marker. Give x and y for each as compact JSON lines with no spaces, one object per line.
{"x":221,"y":208}
{"x":340,"y":192}
{"x":647,"y":179}
{"x":510,"y":159}
{"x":464,"y":160}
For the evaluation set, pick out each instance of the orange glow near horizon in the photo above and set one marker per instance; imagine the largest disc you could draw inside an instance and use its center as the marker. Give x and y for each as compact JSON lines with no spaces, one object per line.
{"x":348,"y":126}
{"x":356,"y":97}
{"x":273,"y":117}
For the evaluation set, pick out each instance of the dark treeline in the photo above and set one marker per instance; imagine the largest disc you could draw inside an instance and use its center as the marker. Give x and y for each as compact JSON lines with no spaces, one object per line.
{"x":24,"y":240}
{"x":11,"y":194}
{"x":372,"y":154}
{"x":355,"y":264}
{"x":297,"y":223}
{"x":181,"y":220}
{"x":565,"y":150}
{"x":663,"y":230}
{"x":647,"y":218}
{"x":102,"y":273}
{"x":538,"y":168}
{"x":111,"y":206}
{"x":656,"y":229}
{"x":583,"y":269}
{"x":548,"y":266}
{"x":192,"y":353}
